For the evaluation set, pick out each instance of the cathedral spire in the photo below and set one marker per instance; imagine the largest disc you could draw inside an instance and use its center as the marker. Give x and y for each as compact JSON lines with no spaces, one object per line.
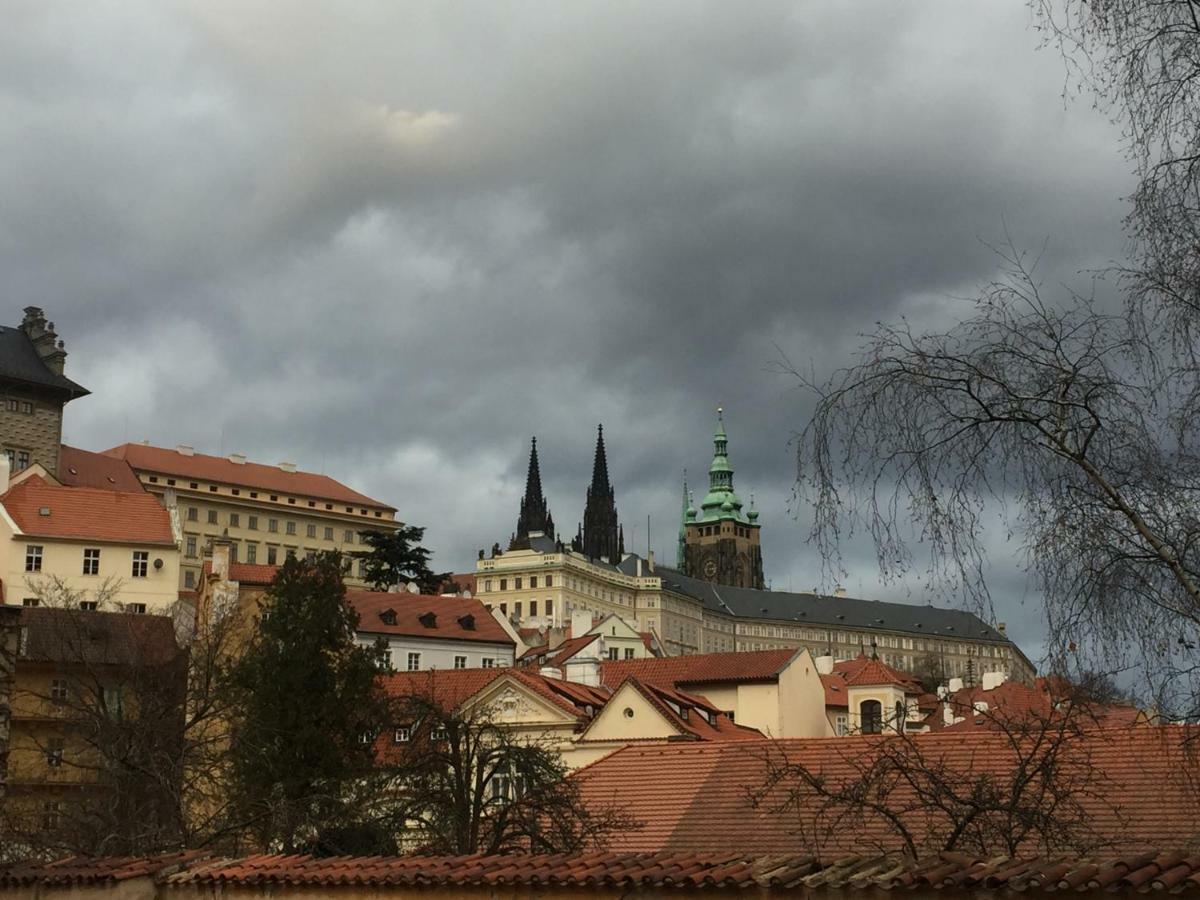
{"x":601,"y":537}
{"x":535,"y":513}
{"x":681,"y":550}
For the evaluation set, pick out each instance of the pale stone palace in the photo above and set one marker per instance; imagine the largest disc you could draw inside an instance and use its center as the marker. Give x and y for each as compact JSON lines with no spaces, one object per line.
{"x":713,"y":599}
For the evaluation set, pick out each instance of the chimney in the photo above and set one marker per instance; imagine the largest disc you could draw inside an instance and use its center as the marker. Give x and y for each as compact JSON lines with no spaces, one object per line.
{"x":824,"y":665}
{"x":956,"y":685}
{"x":288,"y":466}
{"x":583,"y":669}
{"x":185,"y":450}
{"x":839,"y":591}
{"x":551,"y":672}
{"x":581,"y":622}
{"x":1002,"y":627}
{"x":992,"y":680}
{"x":650,"y":560}
{"x":51,"y":350}
{"x":639,"y":567}
{"x":220,"y":559}
{"x":238,"y":459}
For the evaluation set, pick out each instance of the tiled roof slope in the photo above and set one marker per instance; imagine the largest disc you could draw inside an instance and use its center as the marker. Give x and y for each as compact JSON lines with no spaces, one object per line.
{"x":451,"y":615}
{"x":560,"y":654}
{"x":19,"y":361}
{"x":819,"y":609}
{"x":251,"y":573}
{"x":687,"y":795}
{"x":795,"y":872}
{"x":450,"y":688}
{"x":704,"y":668}
{"x":252,"y":475}
{"x":83,"y":468}
{"x":87,"y":513}
{"x":53,"y":635}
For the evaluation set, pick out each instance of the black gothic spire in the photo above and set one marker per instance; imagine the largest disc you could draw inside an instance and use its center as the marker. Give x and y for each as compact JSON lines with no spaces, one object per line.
{"x":535,"y":513}
{"x":601,"y":533}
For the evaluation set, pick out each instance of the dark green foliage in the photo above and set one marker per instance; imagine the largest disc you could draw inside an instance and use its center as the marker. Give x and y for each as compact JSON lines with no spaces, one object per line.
{"x":306,"y":708}
{"x":396,"y":558}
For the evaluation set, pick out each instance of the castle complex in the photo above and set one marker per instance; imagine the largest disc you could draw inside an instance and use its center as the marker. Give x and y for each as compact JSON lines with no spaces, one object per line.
{"x":714,"y":599}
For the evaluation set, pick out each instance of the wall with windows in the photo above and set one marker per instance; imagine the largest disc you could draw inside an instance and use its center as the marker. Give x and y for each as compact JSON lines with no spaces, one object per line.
{"x":127,"y":571}
{"x":414,"y":654}
{"x":30,"y":428}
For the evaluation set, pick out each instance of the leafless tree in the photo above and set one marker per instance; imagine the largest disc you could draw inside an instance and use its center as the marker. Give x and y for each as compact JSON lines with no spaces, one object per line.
{"x":1031,"y":788}
{"x":466,"y":783}
{"x":131,"y":738}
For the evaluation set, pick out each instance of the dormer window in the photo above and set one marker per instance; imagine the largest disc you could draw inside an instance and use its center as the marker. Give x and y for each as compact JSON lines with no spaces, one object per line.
{"x":429,"y":619}
{"x":467,"y":622}
{"x":388,"y":617}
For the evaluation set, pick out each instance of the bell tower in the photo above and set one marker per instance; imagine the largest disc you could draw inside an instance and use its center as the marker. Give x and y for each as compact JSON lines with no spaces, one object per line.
{"x":721,"y":541}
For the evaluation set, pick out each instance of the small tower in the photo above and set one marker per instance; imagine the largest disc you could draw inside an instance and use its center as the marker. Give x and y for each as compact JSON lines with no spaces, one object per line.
{"x":721,"y":541}
{"x":535,"y":513}
{"x":600,"y":535}
{"x":681,"y":551}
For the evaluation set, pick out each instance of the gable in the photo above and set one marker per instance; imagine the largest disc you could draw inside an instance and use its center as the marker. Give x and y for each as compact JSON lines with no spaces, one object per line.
{"x":510,"y":702}
{"x":629,"y":715}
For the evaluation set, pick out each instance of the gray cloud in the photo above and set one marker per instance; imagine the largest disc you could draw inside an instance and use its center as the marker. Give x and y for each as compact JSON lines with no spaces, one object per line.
{"x":393,"y":241}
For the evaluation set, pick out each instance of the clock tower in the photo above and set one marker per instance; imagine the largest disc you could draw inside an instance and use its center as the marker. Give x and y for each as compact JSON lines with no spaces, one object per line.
{"x":720,"y":540}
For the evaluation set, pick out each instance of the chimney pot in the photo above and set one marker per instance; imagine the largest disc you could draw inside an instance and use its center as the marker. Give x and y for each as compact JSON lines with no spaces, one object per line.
{"x":238,"y":459}
{"x":185,"y":450}
{"x":288,"y":466}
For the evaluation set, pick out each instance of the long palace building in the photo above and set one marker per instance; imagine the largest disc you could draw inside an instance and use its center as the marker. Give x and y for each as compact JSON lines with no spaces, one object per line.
{"x":714,"y":598}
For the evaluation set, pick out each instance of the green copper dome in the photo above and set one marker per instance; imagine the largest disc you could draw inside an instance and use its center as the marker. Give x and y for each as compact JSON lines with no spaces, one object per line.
{"x":721,"y":503}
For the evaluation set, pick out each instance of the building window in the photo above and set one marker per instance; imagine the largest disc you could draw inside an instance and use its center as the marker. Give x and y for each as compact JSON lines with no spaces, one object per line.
{"x":402,"y":735}
{"x":252,"y":553}
{"x":22,"y":460}
{"x":414,"y":662}
{"x":193,"y":514}
{"x":488,"y":662}
{"x":517,"y":583}
{"x":252,"y":523}
{"x":272,"y":555}
{"x":33,"y":558}
{"x":549,"y":581}
{"x":291,"y":528}
{"x":487,"y":586}
{"x":31,"y":601}
{"x":88,"y":605}
{"x":190,"y":548}
{"x":58,"y":690}
{"x":310,"y":555}
{"x":629,"y":653}
{"x":141,"y":563}
{"x":212,"y":517}
{"x":290,"y":553}
{"x":54,"y":753}
{"x":841,"y":725}
{"x":272,"y":525}
{"x":504,"y":584}
{"x":138,"y":609}
{"x":348,"y":536}
{"x":437,"y":733}
{"x":362,"y":568}
{"x":532,"y":607}
{"x":532,"y":582}
{"x":871,"y":715}
{"x":517,"y":609}
{"x":612,"y":652}
{"x":504,"y":609}
{"x":91,"y":561}
{"x":212,"y":488}
{"x":328,"y":533}
{"x":189,"y":579}
{"x":460,"y":662}
{"x":11,"y":404}
{"x":235,"y":520}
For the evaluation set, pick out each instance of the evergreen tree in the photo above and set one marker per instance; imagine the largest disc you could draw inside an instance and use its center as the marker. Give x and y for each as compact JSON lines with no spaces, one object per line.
{"x":307,"y":705}
{"x":397,"y":557}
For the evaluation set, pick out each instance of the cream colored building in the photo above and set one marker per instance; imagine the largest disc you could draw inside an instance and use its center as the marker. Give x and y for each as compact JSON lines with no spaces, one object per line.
{"x":112,"y":550}
{"x":265,"y":512}
{"x":543,"y":586}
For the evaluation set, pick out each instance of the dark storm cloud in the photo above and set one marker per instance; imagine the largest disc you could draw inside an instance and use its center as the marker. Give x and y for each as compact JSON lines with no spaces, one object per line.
{"x":394,"y":240}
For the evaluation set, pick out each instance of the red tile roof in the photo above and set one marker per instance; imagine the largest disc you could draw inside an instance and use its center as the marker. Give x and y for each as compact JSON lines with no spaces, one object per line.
{"x":83,"y":468}
{"x":694,"y":718}
{"x":706,"y":668}
{"x":1013,"y":700}
{"x":794,"y":872}
{"x":560,"y":654}
{"x":450,"y":688}
{"x":250,"y":573}
{"x":200,"y":466}
{"x":873,"y":672}
{"x":453,"y":618}
{"x":87,"y":513}
{"x":686,"y":795}
{"x":57,"y":635}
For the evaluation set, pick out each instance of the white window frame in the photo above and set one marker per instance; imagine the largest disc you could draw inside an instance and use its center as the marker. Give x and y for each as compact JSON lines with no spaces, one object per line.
{"x":91,"y":561}
{"x":488,"y":662}
{"x":414,"y":661}
{"x":141,"y":564}
{"x":460,"y":662}
{"x":402,"y":735}
{"x":33,"y":557}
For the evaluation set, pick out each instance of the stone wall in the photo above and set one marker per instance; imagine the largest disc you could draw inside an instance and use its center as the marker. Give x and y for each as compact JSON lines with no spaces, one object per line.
{"x":38,"y":433}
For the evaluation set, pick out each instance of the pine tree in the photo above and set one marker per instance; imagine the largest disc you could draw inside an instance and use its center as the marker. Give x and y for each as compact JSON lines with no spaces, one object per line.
{"x":397,"y":557}
{"x":307,"y":706}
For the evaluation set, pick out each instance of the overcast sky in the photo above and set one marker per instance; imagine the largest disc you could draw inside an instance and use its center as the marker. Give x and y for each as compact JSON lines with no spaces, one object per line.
{"x":392,"y":241}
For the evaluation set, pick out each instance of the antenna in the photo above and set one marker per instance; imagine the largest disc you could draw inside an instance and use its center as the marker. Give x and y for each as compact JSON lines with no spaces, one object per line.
{"x":647,"y":535}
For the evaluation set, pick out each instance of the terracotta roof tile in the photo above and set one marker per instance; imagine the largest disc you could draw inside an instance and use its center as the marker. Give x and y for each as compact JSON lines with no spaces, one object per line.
{"x":686,"y":794}
{"x":453,"y":618}
{"x":220,"y":469}
{"x":706,"y":668}
{"x":83,"y":468}
{"x":87,"y":513}
{"x":874,"y":672}
{"x":97,"y":638}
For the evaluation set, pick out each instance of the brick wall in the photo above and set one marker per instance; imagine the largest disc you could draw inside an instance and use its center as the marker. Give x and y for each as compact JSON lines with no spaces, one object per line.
{"x":39,"y":433}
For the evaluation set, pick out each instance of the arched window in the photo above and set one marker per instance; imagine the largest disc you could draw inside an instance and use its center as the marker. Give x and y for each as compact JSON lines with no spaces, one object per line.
{"x":899,"y":717}
{"x":871,"y":715}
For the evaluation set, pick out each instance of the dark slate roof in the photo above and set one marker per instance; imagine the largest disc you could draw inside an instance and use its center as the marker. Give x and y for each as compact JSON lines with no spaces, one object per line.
{"x":58,"y":635}
{"x":817,"y":609}
{"x":19,"y":361}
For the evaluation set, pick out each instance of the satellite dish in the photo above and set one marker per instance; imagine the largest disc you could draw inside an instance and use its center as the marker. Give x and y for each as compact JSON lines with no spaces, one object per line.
{"x":158,"y":563}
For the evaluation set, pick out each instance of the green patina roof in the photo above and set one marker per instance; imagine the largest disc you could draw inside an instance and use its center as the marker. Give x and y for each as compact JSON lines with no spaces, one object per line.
{"x":721,"y":503}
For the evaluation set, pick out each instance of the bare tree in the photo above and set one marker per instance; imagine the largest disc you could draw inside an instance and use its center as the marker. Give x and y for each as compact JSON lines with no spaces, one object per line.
{"x":465,"y":783}
{"x":1031,"y":788}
